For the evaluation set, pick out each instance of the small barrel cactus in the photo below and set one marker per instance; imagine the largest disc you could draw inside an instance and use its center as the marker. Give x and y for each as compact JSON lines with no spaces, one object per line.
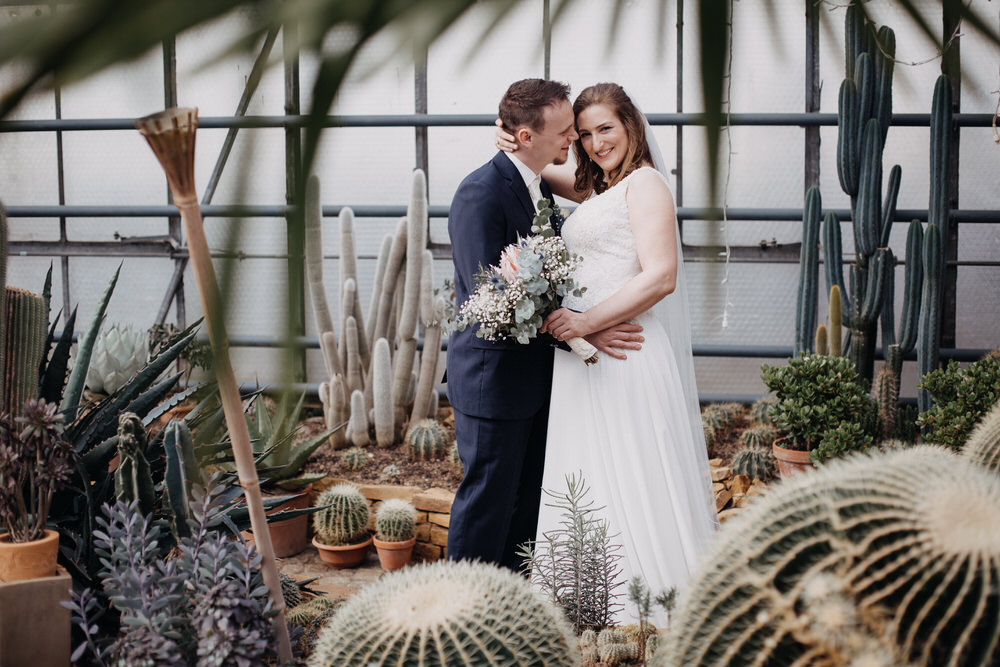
{"x":455,"y":459}
{"x":390,"y":473}
{"x":355,"y":458}
{"x":119,"y":353}
{"x":447,"y":613}
{"x":760,"y":410}
{"x":425,"y":440}
{"x":394,"y":520}
{"x":983,"y":445}
{"x":290,"y":591}
{"x":759,"y":435}
{"x":920,"y":568}
{"x":618,"y":654}
{"x":756,"y":462}
{"x":346,"y":520}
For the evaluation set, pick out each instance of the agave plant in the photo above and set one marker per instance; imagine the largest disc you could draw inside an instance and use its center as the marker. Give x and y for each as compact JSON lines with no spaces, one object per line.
{"x":118,"y":355}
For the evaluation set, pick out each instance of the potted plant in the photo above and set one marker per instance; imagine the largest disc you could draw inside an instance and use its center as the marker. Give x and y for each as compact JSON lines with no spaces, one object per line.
{"x":823,"y":409}
{"x":35,"y":461}
{"x":395,"y":533}
{"x":341,"y":526}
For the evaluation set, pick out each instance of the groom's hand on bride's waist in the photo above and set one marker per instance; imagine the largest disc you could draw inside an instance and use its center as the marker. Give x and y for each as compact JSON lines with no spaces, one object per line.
{"x":613,"y":341}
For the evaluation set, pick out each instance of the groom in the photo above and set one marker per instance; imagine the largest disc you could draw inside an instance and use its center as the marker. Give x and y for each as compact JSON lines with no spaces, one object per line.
{"x":500,"y":390}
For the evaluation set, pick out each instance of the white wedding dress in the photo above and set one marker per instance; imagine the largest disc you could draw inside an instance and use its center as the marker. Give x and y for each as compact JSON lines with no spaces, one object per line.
{"x":627,"y":424}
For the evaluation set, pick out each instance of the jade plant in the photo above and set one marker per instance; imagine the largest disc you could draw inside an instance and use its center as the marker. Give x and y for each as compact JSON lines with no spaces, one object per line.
{"x":343,"y":519}
{"x":395,"y":521}
{"x":35,"y":462}
{"x":961,"y":397}
{"x":913,"y":573}
{"x":469,"y":614}
{"x":815,"y":395}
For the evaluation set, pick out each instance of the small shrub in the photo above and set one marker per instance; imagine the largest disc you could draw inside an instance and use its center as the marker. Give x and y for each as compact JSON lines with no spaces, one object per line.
{"x":960,"y":399}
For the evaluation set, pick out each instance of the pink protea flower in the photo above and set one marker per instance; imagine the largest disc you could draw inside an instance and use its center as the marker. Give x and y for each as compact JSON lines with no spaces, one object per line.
{"x":508,"y":263}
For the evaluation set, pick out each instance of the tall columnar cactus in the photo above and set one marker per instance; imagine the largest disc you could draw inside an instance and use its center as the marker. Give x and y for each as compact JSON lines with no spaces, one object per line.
{"x":349,"y":272}
{"x":357,"y":425}
{"x":25,"y":324}
{"x":426,"y":440}
{"x":393,"y":267}
{"x":354,"y":378}
{"x":920,"y":569}
{"x":466,"y":613}
{"x":928,"y":339}
{"x":395,"y":520}
{"x":336,"y":410}
{"x":431,"y":310}
{"x":938,"y":209}
{"x":314,"y":275}
{"x":3,"y":302}
{"x":805,"y":306}
{"x":885,"y":391}
{"x":983,"y":445}
{"x":865,"y":309}
{"x":912,"y":286}
{"x":381,"y":384}
{"x":380,"y":269}
{"x":133,"y":478}
{"x":836,"y":334}
{"x":345,"y":521}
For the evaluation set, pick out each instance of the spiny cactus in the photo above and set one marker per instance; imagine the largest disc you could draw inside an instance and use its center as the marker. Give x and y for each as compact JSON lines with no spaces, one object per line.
{"x":821,"y":346}
{"x":836,"y":335}
{"x":357,"y":426}
{"x":290,"y":590}
{"x":928,"y":348}
{"x":756,"y":462}
{"x":921,"y":566}
{"x":455,"y":459}
{"x":345,"y":521}
{"x":618,"y":654}
{"x":805,"y":307}
{"x":426,"y":440}
{"x":759,"y":435}
{"x":983,"y":445}
{"x":394,"y":520}
{"x":311,"y":616}
{"x":714,"y":419}
{"x":118,"y":355}
{"x":447,"y":613}
{"x":390,"y":473}
{"x":355,"y":458}
{"x":381,"y":384}
{"x":3,"y":305}
{"x":761,"y":408}
{"x":610,"y":636}
{"x":133,"y":478}
{"x":25,"y":327}
{"x":885,"y":391}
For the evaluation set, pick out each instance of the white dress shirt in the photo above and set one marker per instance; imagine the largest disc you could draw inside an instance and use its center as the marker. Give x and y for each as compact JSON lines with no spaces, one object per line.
{"x":532,"y":180}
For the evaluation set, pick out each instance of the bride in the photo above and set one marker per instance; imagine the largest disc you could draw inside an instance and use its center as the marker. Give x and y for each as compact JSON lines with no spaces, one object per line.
{"x":632,"y":426}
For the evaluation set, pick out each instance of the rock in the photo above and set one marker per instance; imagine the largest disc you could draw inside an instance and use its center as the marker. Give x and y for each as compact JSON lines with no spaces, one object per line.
{"x":439,"y":518}
{"x":386,"y":491}
{"x":739,"y":484}
{"x":427,"y":552}
{"x":721,"y":498}
{"x":718,"y":486}
{"x":434,"y":500}
{"x":740,"y":500}
{"x":439,"y":536}
{"x":720,"y":474}
{"x":715,"y":463}
{"x":728,"y":514}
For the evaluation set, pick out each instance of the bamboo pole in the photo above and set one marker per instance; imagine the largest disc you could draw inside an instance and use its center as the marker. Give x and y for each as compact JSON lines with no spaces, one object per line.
{"x":171,"y":135}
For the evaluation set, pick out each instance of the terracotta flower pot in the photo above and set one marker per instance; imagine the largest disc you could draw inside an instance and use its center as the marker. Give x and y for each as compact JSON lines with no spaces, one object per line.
{"x":351,"y":555}
{"x":790,"y":461}
{"x":394,"y":555}
{"x":291,"y":536}
{"x":34,"y":626}
{"x":28,"y":560}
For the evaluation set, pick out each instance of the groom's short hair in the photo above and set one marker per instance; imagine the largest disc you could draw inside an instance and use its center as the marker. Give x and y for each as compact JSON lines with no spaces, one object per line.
{"x":524,"y":102}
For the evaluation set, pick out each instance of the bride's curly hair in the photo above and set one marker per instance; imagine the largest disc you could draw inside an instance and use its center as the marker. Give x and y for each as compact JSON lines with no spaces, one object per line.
{"x":589,"y":176}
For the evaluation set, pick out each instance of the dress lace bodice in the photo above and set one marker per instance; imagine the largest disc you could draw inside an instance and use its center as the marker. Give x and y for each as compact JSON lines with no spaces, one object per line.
{"x":600,"y":233}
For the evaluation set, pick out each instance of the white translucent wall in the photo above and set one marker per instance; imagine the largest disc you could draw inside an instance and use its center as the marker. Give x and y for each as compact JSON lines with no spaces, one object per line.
{"x":468,"y":72}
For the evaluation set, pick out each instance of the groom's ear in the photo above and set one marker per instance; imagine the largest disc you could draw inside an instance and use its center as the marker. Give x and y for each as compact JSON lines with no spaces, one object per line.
{"x":524,"y":135}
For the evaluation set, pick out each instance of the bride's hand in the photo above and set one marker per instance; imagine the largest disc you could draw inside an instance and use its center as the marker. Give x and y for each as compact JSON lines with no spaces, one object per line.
{"x":504,"y":141}
{"x":565,"y":323}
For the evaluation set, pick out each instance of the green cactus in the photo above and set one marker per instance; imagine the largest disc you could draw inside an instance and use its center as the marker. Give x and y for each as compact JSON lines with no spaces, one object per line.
{"x":426,"y":440}
{"x":611,"y":636}
{"x":381,"y":384}
{"x":311,"y":616}
{"x":885,"y":391}
{"x":922,"y":567}
{"x":912,"y":286}
{"x":820,"y":345}
{"x":928,"y":340}
{"x":345,"y":521}
{"x":759,"y":435}
{"x":833,"y":264}
{"x":983,"y":445}
{"x":455,"y":459}
{"x":390,"y":473}
{"x":618,"y":654}
{"x":355,"y":458}
{"x":714,"y":419}
{"x":938,"y":209}
{"x":709,"y":435}
{"x":3,"y":305}
{"x":760,"y":410}
{"x":290,"y":591}
{"x":25,"y":326}
{"x":805,"y":306}
{"x":756,"y":462}
{"x":836,"y":336}
{"x":395,"y":520}
{"x":133,"y":478}
{"x":464,"y":613}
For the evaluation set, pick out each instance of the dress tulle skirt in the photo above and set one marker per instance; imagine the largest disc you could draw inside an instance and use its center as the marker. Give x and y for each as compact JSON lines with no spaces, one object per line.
{"x":627,"y":427}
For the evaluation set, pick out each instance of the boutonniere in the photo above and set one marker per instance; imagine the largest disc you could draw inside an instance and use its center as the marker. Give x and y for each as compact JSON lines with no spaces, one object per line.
{"x":549,"y":219}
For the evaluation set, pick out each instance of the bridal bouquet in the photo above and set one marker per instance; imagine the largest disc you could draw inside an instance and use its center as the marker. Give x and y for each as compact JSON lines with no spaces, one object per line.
{"x":511,"y":300}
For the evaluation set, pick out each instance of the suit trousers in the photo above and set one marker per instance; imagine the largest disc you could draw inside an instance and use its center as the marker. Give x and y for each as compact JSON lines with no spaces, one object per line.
{"x":496,"y":507}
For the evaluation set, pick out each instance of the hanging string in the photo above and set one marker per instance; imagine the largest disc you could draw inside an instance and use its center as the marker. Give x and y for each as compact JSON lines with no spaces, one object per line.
{"x":727,"y":128}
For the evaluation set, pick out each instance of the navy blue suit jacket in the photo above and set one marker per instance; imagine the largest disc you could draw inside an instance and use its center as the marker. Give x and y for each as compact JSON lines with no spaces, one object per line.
{"x":504,"y":379}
